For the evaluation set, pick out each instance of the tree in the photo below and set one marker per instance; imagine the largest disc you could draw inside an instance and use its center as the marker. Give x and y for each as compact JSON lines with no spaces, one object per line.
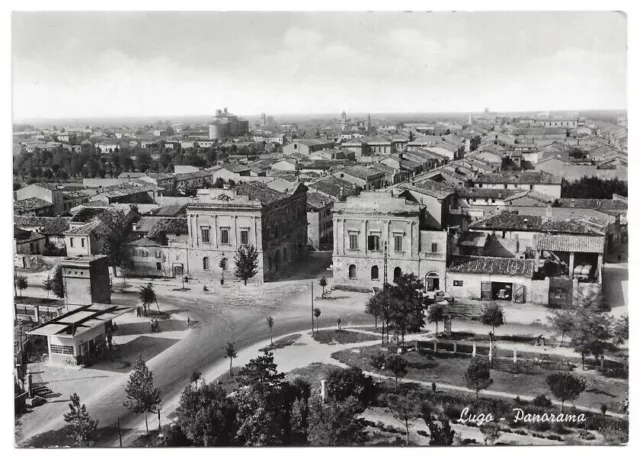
{"x":207,"y":416}
{"x":270,"y":325}
{"x":316,"y":313}
{"x":350,"y":382}
{"x":492,"y":315}
{"x":621,"y":330}
{"x":147,"y":297}
{"x":436,"y":313}
{"x":374,"y":306}
{"x":48,"y":285}
{"x":230,"y":352}
{"x":334,"y":423}
{"x":478,"y":376}
{"x":490,"y":432}
{"x":22,"y":283}
{"x":396,"y":364}
{"x":563,"y":322}
{"x":195,"y":377}
{"x":57,"y":283}
{"x":114,"y":234}
{"x":323,"y":284}
{"x":590,"y":333}
{"x":246,"y":262}
{"x":406,"y":307}
{"x":260,"y":373}
{"x":565,"y":387}
{"x":405,"y":408}
{"x":411,"y":136}
{"x":81,"y":428}
{"x":440,"y":432}
{"x":142,"y":396}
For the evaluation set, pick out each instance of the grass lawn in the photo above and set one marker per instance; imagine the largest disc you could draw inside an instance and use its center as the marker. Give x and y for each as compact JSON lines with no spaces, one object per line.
{"x":281,"y":343}
{"x":451,"y":370}
{"x":342,"y":337}
{"x":312,"y":373}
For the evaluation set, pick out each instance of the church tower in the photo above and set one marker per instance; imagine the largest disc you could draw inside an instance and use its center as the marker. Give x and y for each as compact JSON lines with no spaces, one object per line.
{"x":369,"y":123}
{"x":343,"y":118}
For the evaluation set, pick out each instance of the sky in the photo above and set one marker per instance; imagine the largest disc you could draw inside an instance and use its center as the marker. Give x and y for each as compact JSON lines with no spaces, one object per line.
{"x":111,"y":64}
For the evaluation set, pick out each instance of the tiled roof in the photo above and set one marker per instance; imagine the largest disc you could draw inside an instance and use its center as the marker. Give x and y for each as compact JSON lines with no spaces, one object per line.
{"x":512,"y":221}
{"x":171,"y":225}
{"x":333,"y":186}
{"x":472,"y":239}
{"x":317,"y":200}
{"x":30,"y":204}
{"x":431,"y":188}
{"x":87,"y":214}
{"x":145,"y":242}
{"x":173,"y":210}
{"x":360,"y":172}
{"x":593,"y":203}
{"x":45,"y":225}
{"x":567,"y":243}
{"x":87,"y":228}
{"x":492,"y":265}
{"x":25,"y":235}
{"x":519,"y":177}
{"x":260,"y":192}
{"x":537,"y":196}
{"x":497,"y":193}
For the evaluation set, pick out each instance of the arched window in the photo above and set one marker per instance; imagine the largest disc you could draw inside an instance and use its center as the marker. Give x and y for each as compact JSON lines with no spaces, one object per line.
{"x":374,"y":273}
{"x":205,"y":263}
{"x":223,"y":264}
{"x":397,"y":272}
{"x":352,"y":271}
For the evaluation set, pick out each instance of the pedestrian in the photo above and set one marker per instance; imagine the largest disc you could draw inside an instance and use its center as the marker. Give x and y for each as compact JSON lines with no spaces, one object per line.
{"x":339,"y":324}
{"x":188,"y":322}
{"x":433,"y":386}
{"x":137,"y":311}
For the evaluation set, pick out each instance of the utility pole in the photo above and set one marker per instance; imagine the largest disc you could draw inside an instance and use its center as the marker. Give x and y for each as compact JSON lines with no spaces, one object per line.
{"x":119,"y":434}
{"x":312,"y":307}
{"x":384,"y":290}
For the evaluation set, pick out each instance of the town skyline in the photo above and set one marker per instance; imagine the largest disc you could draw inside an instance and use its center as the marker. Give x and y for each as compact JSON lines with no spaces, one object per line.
{"x":364,"y":62}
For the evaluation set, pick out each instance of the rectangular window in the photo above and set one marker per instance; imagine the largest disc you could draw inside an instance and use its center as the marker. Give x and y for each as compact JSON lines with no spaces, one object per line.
{"x":397,"y":243}
{"x":373,"y":242}
{"x":224,"y":235}
{"x":457,"y":283}
{"x":71,"y":242}
{"x":205,"y":234}
{"x":82,"y":242}
{"x":353,"y":242}
{"x":244,"y":237}
{"x":434,"y":247}
{"x":158,"y":266}
{"x":158,"y":254}
{"x":62,"y":349}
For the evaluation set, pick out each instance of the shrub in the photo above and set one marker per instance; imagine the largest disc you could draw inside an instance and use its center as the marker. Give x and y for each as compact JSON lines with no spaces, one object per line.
{"x":377,"y":360}
{"x":541,"y":426}
{"x":422,"y":433}
{"x":542,"y":401}
{"x":453,"y":412}
{"x":586,"y":435}
{"x":560,"y":428}
{"x":520,"y":432}
{"x":555,"y":437}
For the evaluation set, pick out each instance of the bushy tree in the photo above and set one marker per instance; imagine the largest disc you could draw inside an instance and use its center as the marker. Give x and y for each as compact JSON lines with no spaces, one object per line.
{"x":260,"y":372}
{"x":22,"y":284}
{"x":246,"y":262}
{"x":323,"y":284}
{"x":47,"y":284}
{"x":490,"y":432}
{"x":478,"y":376}
{"x":147,"y":297}
{"x":396,"y":364}
{"x":407,"y":307}
{"x":590,"y":333}
{"x":114,"y":234}
{"x":270,"y":325}
{"x":57,"y":282}
{"x":562,"y":322}
{"x":492,"y":315}
{"x":316,"y":313}
{"x":230,"y":352}
{"x":334,"y":423}
{"x":405,"y":408}
{"x":142,"y":396}
{"x":565,"y":386}
{"x":621,"y":330}
{"x":435,"y":314}
{"x":81,"y":428}
{"x":350,"y":382}
{"x":207,"y":416}
{"x":440,"y":432}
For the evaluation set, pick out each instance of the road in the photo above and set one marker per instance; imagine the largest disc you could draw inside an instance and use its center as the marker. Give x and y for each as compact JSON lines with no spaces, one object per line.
{"x":238,"y":314}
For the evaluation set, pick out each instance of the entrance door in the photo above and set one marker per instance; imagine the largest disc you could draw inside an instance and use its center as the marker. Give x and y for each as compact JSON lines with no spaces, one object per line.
{"x":485,"y":290}
{"x":178,"y":270}
{"x":518,"y":293}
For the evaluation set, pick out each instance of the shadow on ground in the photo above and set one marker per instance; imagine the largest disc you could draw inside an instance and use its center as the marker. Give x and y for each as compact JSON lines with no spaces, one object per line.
{"x":124,"y":356}
{"x":144,"y":327}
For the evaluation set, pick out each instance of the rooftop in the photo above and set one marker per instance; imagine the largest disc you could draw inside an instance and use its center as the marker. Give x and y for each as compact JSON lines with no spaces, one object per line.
{"x":377,"y":203}
{"x":360,"y":172}
{"x":44,"y":225}
{"x":30,"y":204}
{"x":492,"y":265}
{"x":80,"y":320}
{"x":519,"y":177}
{"x":512,"y":221}
{"x":317,"y":200}
{"x":333,"y":186}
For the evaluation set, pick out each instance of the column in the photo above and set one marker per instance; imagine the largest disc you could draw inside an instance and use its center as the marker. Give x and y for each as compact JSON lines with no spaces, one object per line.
{"x":600,"y":259}
{"x":571,"y":259}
